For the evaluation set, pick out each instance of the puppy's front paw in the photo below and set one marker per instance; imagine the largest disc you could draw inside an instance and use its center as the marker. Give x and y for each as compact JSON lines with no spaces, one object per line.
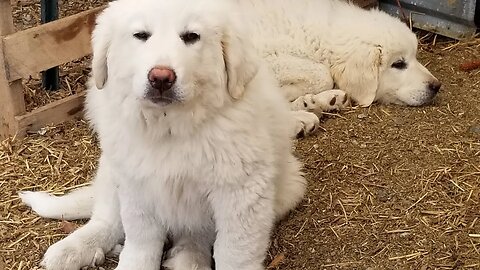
{"x":331,"y":100}
{"x":181,"y":258}
{"x":325,"y":101}
{"x":72,"y":255}
{"x":139,"y":258}
{"x":304,"y":103}
{"x":305,"y":123}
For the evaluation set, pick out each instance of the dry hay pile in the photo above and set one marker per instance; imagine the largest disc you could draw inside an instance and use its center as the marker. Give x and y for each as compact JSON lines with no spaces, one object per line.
{"x":58,"y":162}
{"x":389,"y":187}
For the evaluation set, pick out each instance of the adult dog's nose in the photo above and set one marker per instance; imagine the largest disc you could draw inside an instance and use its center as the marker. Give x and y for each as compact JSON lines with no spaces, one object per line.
{"x":434,"y":86}
{"x":161,"y":78}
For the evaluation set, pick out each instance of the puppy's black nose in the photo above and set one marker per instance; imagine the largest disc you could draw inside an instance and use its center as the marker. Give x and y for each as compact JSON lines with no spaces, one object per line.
{"x":434,"y":86}
{"x":161,"y":78}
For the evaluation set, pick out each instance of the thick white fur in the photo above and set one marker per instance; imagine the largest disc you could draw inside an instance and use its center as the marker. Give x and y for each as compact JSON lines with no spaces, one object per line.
{"x":212,"y":169}
{"x":313,"y":45}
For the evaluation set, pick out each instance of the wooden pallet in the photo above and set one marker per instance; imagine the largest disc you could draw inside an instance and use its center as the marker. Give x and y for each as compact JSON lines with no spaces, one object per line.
{"x":31,"y":51}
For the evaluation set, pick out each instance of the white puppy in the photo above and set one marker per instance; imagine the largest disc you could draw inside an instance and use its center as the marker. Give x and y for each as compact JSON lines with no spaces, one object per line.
{"x":195,"y":140}
{"x":313,"y":45}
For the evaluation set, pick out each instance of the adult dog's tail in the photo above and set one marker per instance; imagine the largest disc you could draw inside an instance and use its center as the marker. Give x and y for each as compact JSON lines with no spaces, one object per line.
{"x":77,"y":204}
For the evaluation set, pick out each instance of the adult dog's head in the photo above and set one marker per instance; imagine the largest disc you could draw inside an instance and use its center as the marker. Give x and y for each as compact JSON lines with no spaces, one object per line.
{"x":381,"y":64}
{"x":167,"y":54}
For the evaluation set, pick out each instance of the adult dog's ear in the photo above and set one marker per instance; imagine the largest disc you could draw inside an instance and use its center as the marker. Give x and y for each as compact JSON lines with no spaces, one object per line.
{"x":357,"y":74}
{"x":240,"y":63}
{"x":101,"y":38}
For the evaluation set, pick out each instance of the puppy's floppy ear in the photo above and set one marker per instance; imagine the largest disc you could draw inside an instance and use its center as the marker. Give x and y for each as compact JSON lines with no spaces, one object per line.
{"x":240,"y":63}
{"x":358,"y":73}
{"x":101,"y":38}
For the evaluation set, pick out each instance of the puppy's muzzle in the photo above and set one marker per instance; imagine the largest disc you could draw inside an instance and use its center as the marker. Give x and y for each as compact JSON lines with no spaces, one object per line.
{"x":161,"y":80}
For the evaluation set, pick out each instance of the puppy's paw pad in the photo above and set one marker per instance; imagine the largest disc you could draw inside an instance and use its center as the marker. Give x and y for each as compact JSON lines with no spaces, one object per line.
{"x":333,"y":101}
{"x":346,"y":100}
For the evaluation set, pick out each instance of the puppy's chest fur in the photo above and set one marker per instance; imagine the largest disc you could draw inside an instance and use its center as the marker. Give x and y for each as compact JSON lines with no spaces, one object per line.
{"x":207,"y":157}
{"x":175,"y":203}
{"x":173,"y":177}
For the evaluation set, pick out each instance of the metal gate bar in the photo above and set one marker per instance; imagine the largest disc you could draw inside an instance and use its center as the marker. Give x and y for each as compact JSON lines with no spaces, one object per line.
{"x":49,"y":12}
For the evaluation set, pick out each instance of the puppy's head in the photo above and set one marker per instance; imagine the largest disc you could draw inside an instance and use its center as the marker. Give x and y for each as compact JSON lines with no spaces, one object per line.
{"x":403,"y":79}
{"x":381,"y":65}
{"x":171,"y":53}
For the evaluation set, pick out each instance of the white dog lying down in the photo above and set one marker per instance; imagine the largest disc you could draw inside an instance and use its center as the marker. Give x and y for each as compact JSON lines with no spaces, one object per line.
{"x":314,"y":44}
{"x":195,"y":139}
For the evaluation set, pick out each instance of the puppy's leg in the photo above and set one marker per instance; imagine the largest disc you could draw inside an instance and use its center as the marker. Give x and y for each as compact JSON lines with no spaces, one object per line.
{"x":305,"y":123}
{"x":326,"y":101}
{"x":290,"y":187}
{"x":244,"y":217}
{"x":299,"y":76}
{"x":190,"y":251}
{"x":87,"y":245}
{"x":145,"y":235}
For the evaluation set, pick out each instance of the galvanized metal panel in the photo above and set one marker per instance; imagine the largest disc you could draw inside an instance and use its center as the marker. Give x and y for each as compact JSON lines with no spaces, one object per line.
{"x":451,"y":18}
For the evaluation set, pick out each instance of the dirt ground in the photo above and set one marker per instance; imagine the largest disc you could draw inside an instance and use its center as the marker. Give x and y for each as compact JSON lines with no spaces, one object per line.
{"x":389,"y":187}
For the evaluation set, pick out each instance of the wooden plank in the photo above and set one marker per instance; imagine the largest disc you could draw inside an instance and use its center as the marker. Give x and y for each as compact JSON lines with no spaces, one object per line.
{"x":12,"y":101}
{"x":6,"y":22}
{"x":39,"y":48}
{"x":51,"y":114}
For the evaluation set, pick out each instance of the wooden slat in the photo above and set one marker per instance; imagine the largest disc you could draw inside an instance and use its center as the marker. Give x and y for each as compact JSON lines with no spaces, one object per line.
{"x":12,"y":101}
{"x":51,"y":114}
{"x":6,"y":22}
{"x":39,"y":48}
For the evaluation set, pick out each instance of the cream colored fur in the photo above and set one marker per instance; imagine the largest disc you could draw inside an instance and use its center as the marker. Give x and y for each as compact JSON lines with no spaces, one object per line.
{"x":314,"y":45}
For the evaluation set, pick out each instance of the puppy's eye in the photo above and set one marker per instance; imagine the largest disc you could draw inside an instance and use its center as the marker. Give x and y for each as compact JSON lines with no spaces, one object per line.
{"x":400,"y":64}
{"x":143,"y":35}
{"x":190,"y":37}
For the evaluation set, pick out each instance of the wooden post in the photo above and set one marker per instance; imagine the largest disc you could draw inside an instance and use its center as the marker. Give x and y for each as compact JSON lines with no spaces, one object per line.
{"x":11,"y":94}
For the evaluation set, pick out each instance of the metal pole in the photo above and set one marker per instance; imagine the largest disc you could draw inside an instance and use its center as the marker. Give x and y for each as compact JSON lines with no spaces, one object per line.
{"x":49,"y":12}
